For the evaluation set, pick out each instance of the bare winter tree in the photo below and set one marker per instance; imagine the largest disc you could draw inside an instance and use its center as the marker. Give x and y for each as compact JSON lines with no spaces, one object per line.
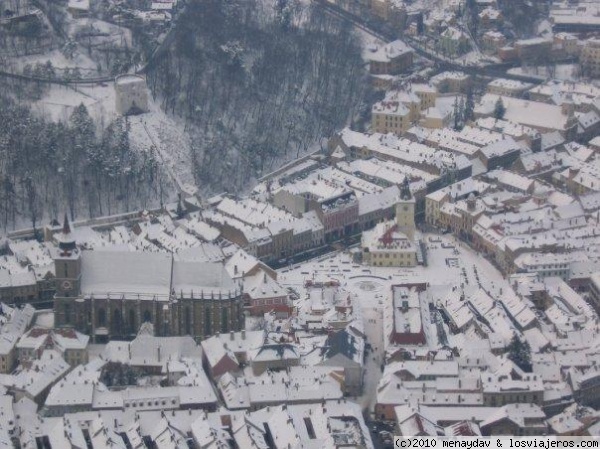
{"x":45,"y":166}
{"x":258,"y":86}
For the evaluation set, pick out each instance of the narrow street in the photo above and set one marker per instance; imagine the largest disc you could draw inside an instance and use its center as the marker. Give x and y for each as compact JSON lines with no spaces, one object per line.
{"x":373,"y":319}
{"x":371,"y":295}
{"x":443,"y":63}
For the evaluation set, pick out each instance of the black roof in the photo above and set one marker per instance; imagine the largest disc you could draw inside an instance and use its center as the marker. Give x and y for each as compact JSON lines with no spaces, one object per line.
{"x":341,"y":342}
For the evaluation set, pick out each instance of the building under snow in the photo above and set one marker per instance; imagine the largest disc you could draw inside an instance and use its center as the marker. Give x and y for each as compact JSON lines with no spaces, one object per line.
{"x":109,"y":294}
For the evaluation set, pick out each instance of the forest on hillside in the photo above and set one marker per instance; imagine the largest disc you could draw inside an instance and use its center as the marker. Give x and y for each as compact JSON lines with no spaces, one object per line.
{"x":48,"y":168}
{"x":258,"y":83}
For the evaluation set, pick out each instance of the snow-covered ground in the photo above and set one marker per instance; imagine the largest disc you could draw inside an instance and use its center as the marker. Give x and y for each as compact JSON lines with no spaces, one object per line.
{"x":368,"y":42}
{"x":58,"y":103}
{"x":371,"y":304}
{"x":450,"y":263}
{"x":99,"y":32}
{"x":563,"y":72}
{"x":161,"y":131}
{"x":152,"y":129}
{"x":80,"y":60}
{"x":89,"y":34}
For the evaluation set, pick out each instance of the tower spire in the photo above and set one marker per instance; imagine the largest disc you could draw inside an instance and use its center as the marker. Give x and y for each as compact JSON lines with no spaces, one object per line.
{"x":405,"y":211}
{"x":66,"y":241}
{"x":66,"y":226}
{"x":405,"y":190}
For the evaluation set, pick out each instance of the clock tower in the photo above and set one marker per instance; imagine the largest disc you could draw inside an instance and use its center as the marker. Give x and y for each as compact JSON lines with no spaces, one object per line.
{"x":67,"y":269}
{"x":405,"y":211}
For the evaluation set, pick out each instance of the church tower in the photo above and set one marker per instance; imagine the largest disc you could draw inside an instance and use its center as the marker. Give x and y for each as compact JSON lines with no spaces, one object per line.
{"x":67,"y":268}
{"x":405,"y":211}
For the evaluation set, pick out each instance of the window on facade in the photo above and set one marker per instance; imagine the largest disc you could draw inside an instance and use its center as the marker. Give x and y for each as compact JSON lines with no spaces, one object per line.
{"x":68,"y":313}
{"x":101,"y":317}
{"x":131,"y":321}
{"x":147,"y":316}
{"x":187,"y":321}
{"x":207,"y":321}
{"x":117,"y":320}
{"x":224,"y":320}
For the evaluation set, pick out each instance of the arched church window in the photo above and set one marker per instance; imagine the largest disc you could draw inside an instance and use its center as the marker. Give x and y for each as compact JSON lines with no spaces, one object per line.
{"x":207,"y":321}
{"x":101,"y":317}
{"x":117,"y":320}
{"x":224,"y":320}
{"x":132,"y":327}
{"x":67,"y":313}
{"x":187,"y":320}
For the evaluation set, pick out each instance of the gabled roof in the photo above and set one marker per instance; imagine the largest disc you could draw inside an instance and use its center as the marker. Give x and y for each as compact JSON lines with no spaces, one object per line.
{"x":261,"y":285}
{"x":342,"y":342}
{"x":284,"y":351}
{"x":520,"y":414}
{"x":125,"y":272}
{"x":199,"y":277}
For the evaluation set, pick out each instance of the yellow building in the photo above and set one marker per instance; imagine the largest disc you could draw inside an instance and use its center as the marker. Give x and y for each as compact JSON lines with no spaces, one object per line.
{"x":581,"y":180}
{"x":568,"y":42}
{"x":426,"y":93}
{"x":433,"y":203}
{"x":7,"y":353}
{"x":492,"y":41}
{"x":390,"y":117}
{"x":384,"y":246}
{"x":536,"y":49}
{"x":436,"y":118}
{"x":392,"y":244}
{"x":590,"y":58}
{"x":400,"y":109}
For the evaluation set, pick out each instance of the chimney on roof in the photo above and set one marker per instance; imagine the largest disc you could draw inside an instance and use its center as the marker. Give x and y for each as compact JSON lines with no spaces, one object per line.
{"x":231,"y":335}
{"x":243,"y":334}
